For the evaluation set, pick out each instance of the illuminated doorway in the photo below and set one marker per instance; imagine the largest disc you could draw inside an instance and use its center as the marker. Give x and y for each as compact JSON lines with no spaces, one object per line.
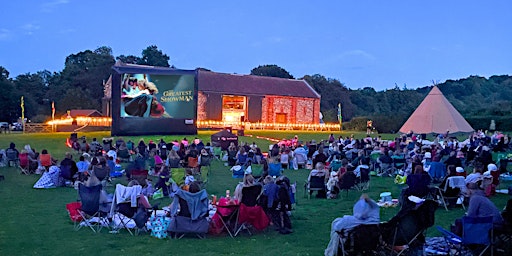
{"x":234,"y":108}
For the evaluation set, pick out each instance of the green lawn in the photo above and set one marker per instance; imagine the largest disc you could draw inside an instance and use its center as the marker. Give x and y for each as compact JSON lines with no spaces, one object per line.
{"x":35,"y":222}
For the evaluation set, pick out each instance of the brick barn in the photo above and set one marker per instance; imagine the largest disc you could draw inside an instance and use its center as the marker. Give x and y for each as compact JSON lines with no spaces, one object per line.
{"x":255,"y":99}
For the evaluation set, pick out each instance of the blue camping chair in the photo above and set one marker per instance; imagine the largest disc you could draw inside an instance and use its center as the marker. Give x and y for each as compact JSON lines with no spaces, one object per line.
{"x":437,"y":170}
{"x":274,"y":169}
{"x":474,"y":230}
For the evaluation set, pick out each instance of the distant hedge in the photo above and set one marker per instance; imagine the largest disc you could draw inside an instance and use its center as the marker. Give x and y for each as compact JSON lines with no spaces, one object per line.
{"x":503,"y":123}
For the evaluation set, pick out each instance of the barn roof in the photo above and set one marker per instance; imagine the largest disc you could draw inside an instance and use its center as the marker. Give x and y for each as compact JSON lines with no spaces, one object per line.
{"x":253,"y":85}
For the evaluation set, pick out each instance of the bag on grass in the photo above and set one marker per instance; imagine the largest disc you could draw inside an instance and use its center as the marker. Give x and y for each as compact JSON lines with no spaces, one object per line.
{"x":159,"y":226}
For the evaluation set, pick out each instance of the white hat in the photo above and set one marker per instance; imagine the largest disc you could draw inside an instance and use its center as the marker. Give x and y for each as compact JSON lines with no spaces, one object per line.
{"x":492,"y":167}
{"x":459,"y":169}
{"x":428,"y":155}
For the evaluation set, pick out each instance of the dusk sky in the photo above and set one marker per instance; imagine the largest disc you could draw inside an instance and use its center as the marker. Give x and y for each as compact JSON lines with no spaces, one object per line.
{"x":360,"y":43}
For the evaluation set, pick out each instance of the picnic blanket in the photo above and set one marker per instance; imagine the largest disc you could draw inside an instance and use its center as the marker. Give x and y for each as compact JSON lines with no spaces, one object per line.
{"x":49,"y":179}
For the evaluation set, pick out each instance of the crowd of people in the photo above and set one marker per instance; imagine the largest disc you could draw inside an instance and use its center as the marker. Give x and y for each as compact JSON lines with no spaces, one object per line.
{"x":336,"y":160}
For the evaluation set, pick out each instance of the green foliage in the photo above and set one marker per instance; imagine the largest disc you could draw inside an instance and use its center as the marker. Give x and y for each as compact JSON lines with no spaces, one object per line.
{"x":272,"y":71}
{"x":151,"y":56}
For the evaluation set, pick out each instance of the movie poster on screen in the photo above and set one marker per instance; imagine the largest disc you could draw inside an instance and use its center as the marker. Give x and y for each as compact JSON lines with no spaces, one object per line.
{"x":157,"y":96}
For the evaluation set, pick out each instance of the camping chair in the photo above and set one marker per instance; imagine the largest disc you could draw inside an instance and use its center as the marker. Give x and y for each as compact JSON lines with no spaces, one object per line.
{"x":250,"y":214}
{"x":301,"y":160}
{"x":406,"y":230}
{"x":74,"y":214}
{"x":217,"y":153}
{"x":335,"y":165}
{"x":124,"y":155}
{"x":363,"y":239}
{"x":284,"y":159}
{"x":437,"y":170}
{"x":455,"y":182}
{"x":274,"y":169}
{"x":316,"y":183}
{"x":90,"y":211}
{"x":228,"y":215}
{"x":193,"y":162}
{"x":373,"y":160}
{"x":347,"y":182}
{"x":24,"y":164}
{"x":363,"y":181}
{"x":12,"y":157}
{"x":193,"y":210}
{"x":206,"y":160}
{"x":124,"y":207}
{"x":399,"y":164}
{"x":476,"y":231}
{"x":140,"y":176}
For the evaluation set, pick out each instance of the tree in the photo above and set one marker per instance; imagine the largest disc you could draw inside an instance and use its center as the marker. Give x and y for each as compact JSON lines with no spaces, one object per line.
{"x":153,"y":57}
{"x":130,"y":59}
{"x":272,"y":71}
{"x":84,"y":73}
{"x":9,"y":99}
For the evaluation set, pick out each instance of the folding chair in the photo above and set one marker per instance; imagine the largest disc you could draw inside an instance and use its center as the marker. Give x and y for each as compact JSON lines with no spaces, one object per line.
{"x":373,"y":160}
{"x":90,"y":211}
{"x":301,"y":160}
{"x":476,"y":231}
{"x":140,"y":176}
{"x":316,"y":183}
{"x":347,"y":182}
{"x":363,"y":239}
{"x":399,"y":164}
{"x":228,"y":215}
{"x":24,"y":164}
{"x":274,"y":169}
{"x":406,"y":230}
{"x":74,"y":214}
{"x":250,"y":214}
{"x":189,"y":220}
{"x":363,"y":181}
{"x":124,"y":207}
{"x":454,"y":182}
{"x":12,"y":157}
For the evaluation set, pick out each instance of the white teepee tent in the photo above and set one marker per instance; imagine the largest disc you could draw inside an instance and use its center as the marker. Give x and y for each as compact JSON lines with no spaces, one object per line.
{"x":436,"y":114}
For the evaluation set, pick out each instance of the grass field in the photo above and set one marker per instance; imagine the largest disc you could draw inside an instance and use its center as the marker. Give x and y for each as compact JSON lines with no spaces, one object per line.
{"x":35,"y":222}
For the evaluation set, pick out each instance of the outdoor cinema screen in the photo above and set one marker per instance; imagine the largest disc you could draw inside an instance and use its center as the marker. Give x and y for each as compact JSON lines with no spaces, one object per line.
{"x":150,"y":100}
{"x":157,"y":96}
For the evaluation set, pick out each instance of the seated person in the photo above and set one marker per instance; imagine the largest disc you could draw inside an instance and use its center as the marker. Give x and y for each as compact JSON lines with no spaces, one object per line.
{"x":492,"y":171}
{"x":366,"y":211}
{"x":248,"y":181}
{"x":83,"y":167}
{"x":27,"y":161}
{"x":385,"y":162}
{"x":319,"y":171}
{"x":68,"y":167}
{"x":46,"y":160}
{"x":181,"y":206}
{"x":189,"y":177}
{"x":479,"y":206}
{"x":276,"y":202}
{"x":418,"y":184}
{"x":450,"y":192}
{"x":476,"y":175}
{"x":363,"y":163}
{"x":347,"y":179}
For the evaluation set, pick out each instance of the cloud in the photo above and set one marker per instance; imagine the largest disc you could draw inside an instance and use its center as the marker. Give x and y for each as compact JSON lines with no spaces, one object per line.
{"x":358,"y":54}
{"x":5,"y":34}
{"x":50,"y":6}
{"x":29,"y":28}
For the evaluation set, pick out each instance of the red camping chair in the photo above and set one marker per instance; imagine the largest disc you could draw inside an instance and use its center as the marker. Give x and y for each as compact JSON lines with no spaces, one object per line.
{"x":74,"y":215}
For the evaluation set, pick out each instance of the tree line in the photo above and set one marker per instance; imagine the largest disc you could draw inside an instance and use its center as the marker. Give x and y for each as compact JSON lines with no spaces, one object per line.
{"x":80,"y":86}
